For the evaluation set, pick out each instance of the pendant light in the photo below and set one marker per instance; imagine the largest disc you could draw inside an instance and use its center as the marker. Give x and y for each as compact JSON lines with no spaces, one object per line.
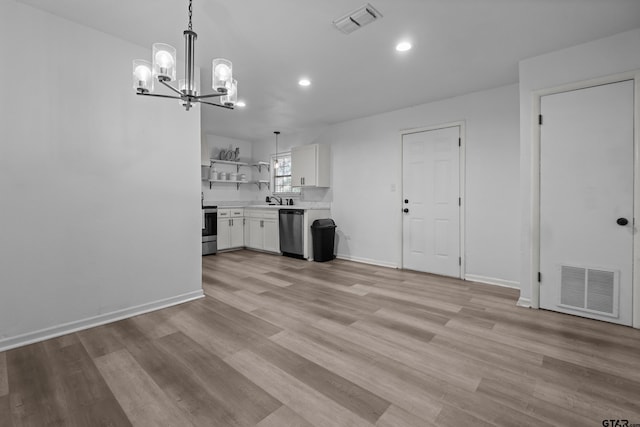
{"x":275,"y":164}
{"x":163,"y":70}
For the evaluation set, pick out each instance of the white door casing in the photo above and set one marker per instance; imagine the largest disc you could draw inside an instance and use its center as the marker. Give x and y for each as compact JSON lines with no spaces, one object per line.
{"x":586,"y":185}
{"x":431,"y":195}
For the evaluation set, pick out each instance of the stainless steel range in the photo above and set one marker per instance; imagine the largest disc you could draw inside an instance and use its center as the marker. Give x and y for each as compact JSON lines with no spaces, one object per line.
{"x":209,"y":230}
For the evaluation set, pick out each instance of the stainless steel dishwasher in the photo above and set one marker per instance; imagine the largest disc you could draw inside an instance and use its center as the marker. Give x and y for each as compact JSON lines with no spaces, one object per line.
{"x":291,"y":232}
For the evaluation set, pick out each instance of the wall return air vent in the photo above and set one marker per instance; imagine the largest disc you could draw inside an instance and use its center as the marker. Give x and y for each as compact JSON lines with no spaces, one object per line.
{"x":358,"y":18}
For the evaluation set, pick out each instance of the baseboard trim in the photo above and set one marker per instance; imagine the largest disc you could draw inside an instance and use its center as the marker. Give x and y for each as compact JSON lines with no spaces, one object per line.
{"x":67,"y":328}
{"x":367,"y":261}
{"x":492,"y":281}
{"x":524,"y":302}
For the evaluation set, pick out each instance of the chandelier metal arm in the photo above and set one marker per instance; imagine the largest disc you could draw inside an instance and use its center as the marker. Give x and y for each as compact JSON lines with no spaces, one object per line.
{"x":212,"y":95}
{"x":171,"y":87}
{"x":215,"y":105}
{"x":159,"y":95}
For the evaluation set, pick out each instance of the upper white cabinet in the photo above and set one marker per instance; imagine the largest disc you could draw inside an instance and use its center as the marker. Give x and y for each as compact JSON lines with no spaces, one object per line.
{"x":310,"y":165}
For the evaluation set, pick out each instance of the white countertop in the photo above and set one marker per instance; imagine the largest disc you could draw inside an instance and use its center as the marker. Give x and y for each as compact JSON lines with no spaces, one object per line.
{"x":273,"y":207}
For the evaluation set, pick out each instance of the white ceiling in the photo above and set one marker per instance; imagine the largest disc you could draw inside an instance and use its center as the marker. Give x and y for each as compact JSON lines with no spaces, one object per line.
{"x":459,"y":46}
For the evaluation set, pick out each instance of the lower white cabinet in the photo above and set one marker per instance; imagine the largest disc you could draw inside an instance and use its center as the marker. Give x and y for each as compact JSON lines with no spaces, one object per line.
{"x":262,"y":230}
{"x":230,"y":229}
{"x":271,"y":230}
{"x":253,"y":234}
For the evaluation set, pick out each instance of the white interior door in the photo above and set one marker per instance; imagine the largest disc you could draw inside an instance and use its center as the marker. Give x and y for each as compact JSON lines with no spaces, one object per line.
{"x":586,"y":197}
{"x":431,"y":191}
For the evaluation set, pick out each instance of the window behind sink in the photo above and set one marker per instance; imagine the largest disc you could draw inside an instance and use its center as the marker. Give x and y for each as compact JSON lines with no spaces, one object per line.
{"x":282,"y":175}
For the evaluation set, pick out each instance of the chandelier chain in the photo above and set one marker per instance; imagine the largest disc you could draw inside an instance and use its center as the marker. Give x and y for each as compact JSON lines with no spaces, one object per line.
{"x":190,"y":13}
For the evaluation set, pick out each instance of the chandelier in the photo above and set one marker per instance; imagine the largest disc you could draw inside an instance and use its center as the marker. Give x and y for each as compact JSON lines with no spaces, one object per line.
{"x":163,"y":69}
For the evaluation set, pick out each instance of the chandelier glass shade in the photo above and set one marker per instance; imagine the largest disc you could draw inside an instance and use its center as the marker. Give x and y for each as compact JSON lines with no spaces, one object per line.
{"x":162,"y":69}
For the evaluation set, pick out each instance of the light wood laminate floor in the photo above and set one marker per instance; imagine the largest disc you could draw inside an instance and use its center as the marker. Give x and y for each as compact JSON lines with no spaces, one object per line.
{"x":282,"y":342}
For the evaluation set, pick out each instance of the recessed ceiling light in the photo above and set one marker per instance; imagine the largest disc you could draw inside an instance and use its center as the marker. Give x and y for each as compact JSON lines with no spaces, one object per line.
{"x":304,"y":82}
{"x":403,"y":46}
{"x":241,"y":104}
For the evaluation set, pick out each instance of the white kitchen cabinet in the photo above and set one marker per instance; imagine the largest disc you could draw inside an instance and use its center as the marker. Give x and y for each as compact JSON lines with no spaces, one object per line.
{"x":310,"y":165}
{"x":236,"y":232}
{"x":253,"y":236}
{"x":262,"y":231}
{"x":224,"y":237}
{"x":230,"y":228}
{"x":271,"y":235}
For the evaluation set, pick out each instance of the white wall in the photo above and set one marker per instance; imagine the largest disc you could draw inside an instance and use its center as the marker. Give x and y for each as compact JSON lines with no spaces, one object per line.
{"x":366,"y":167}
{"x":100,"y":210}
{"x":607,"y":56}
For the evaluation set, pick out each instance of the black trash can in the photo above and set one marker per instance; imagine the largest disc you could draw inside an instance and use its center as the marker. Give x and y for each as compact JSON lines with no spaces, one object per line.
{"x":323,"y":232}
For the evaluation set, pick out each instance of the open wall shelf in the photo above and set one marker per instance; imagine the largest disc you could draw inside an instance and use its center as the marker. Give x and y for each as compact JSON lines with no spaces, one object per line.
{"x":258,"y":165}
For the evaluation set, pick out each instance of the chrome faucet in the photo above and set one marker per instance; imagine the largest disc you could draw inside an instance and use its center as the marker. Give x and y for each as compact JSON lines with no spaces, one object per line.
{"x":278,"y":199}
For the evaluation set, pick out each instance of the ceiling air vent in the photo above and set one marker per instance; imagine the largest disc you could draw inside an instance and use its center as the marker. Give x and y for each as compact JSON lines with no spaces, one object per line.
{"x":356,"y":19}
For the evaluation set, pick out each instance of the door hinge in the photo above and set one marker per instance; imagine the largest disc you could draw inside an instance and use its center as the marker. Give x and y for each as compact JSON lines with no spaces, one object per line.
{"x":459,"y":142}
{"x":460,"y":261}
{"x":459,"y":201}
{"x":539,"y":277}
{"x":539,"y":119}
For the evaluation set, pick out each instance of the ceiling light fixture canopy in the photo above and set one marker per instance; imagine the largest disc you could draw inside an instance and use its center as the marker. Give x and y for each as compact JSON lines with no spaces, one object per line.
{"x":163,"y":69}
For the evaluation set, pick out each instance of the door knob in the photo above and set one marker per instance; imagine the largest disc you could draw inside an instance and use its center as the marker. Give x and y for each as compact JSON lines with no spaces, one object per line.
{"x":622,"y":221}
{"x":405,"y":210}
{"x":406,"y":200}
